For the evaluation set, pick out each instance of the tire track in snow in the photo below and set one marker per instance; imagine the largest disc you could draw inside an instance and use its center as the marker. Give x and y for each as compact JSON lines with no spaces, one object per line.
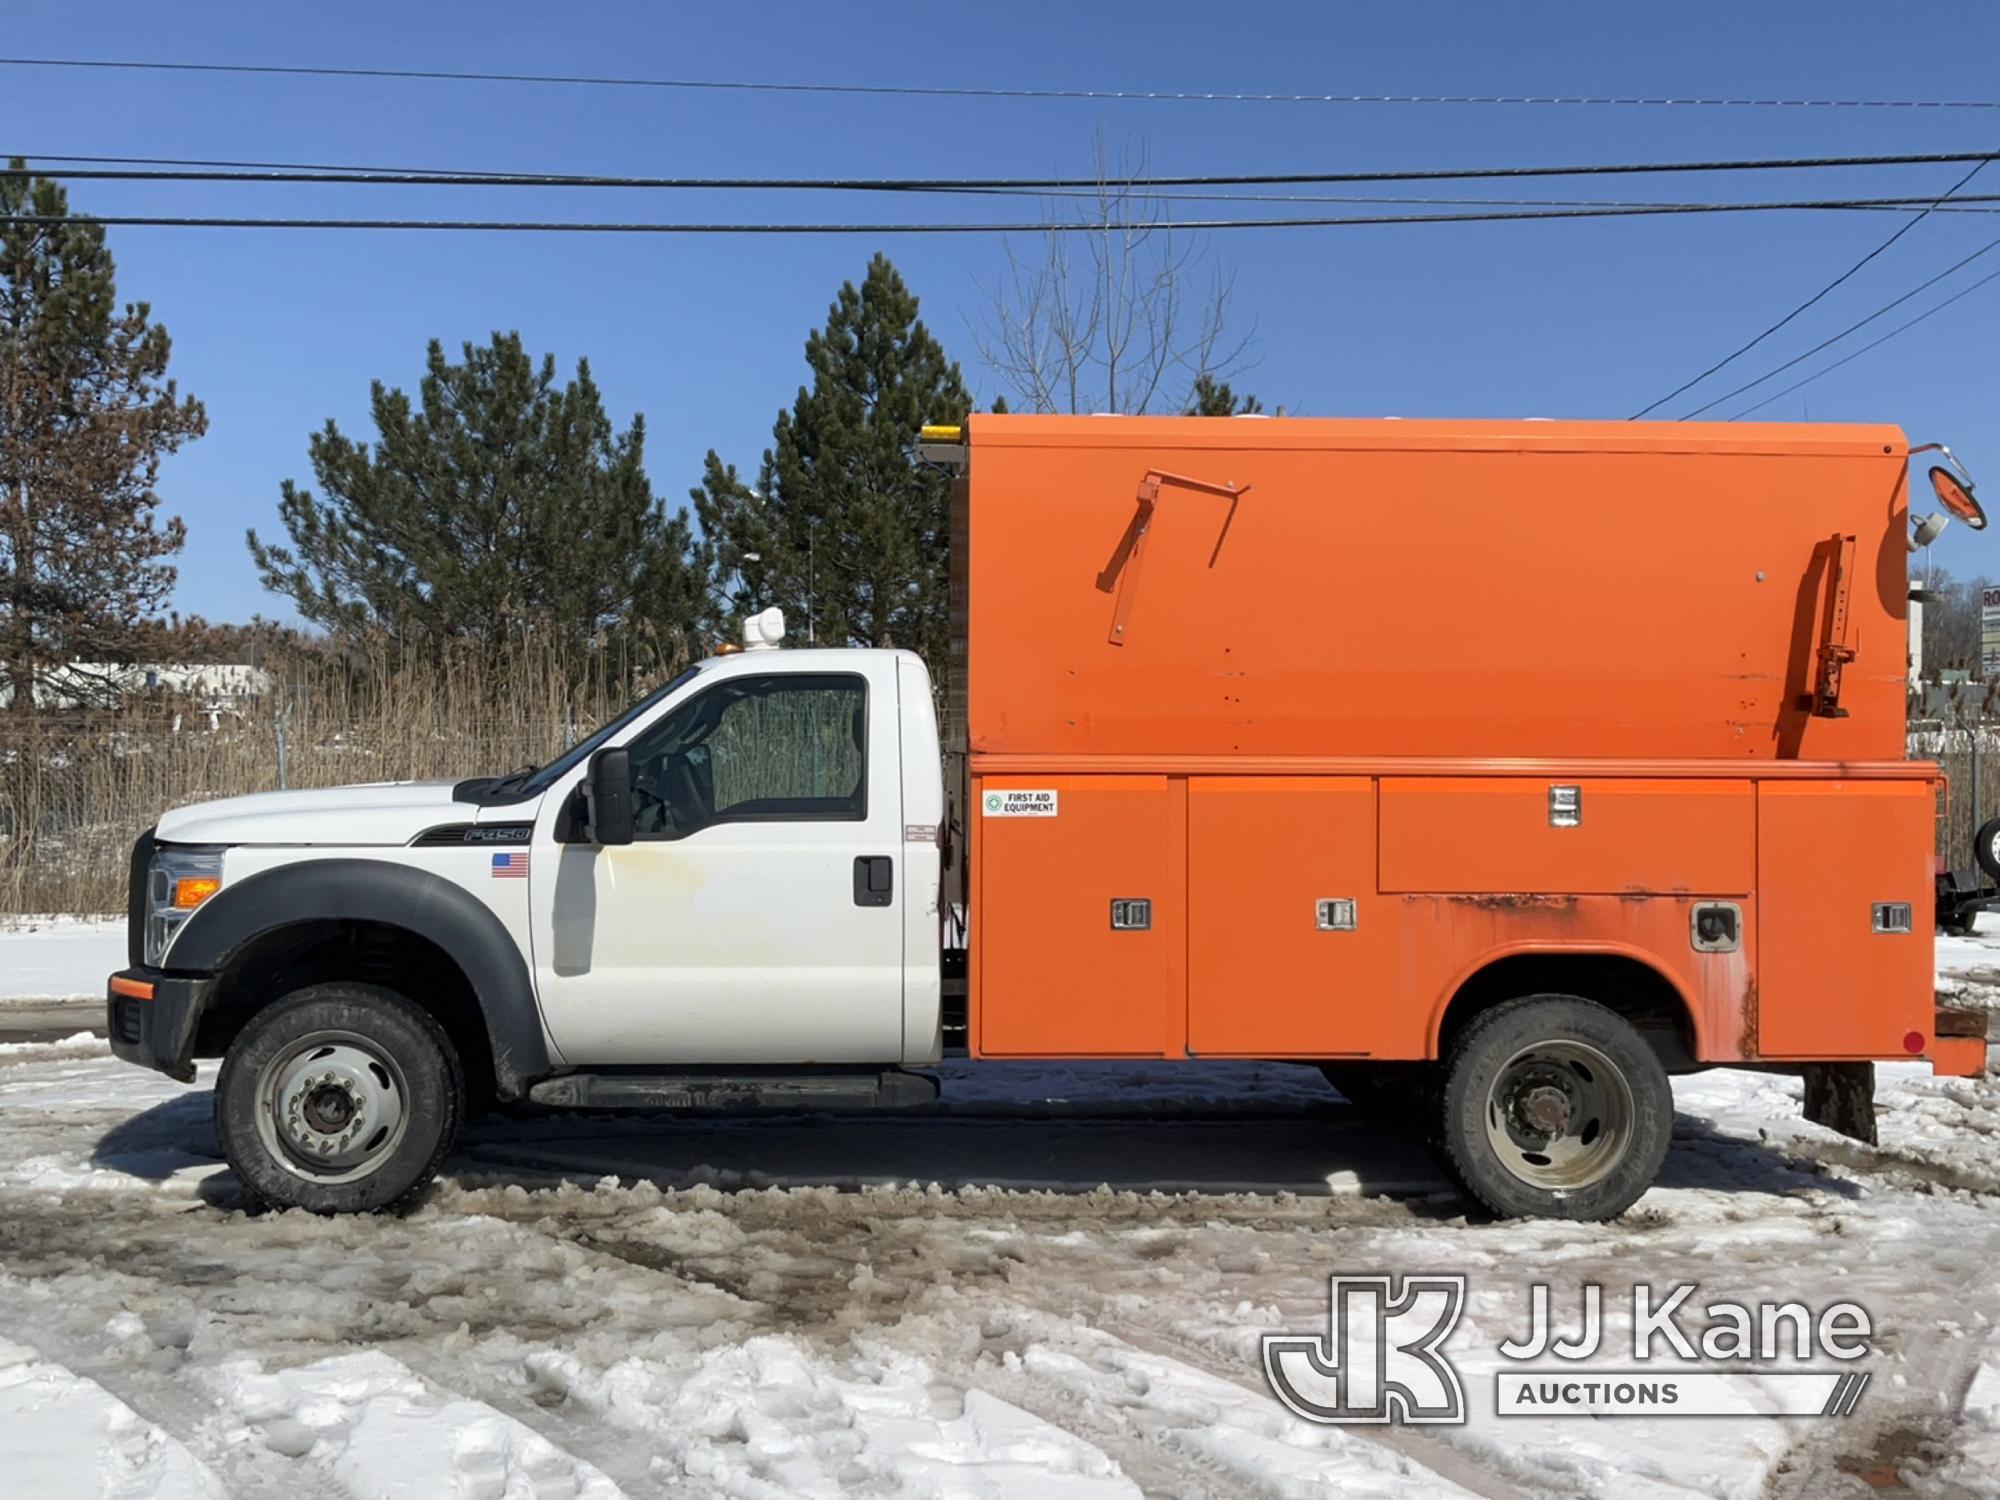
{"x":1472,"y":1473}
{"x":1186,"y":1432}
{"x":855,"y":1268}
{"x":1148,"y":1459}
{"x":1892,"y":1430}
{"x":68,"y":1435}
{"x":282,"y":1285}
{"x":905,"y":1243}
{"x":376,"y":1428}
{"x":177,"y":1408}
{"x":1056,"y":1301}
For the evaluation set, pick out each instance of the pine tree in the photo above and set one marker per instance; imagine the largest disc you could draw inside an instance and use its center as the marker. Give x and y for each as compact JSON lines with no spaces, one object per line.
{"x":844,"y":528}
{"x":1210,"y":397}
{"x":498,"y":501}
{"x":87,"y":413}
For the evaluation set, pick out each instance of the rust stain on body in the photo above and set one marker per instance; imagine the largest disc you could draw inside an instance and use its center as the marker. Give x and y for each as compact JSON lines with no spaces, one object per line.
{"x":1746,"y":1040}
{"x":1515,"y":902}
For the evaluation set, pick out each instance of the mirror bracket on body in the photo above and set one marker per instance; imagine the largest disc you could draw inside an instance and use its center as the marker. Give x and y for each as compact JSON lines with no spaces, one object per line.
{"x":607,"y":798}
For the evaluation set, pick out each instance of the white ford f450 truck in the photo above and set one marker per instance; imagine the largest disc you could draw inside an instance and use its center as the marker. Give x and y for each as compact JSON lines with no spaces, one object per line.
{"x":1655,"y":813}
{"x":372,"y":961}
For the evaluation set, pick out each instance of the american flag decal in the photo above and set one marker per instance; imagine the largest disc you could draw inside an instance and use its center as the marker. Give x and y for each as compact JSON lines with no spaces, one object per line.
{"x":510,"y":867}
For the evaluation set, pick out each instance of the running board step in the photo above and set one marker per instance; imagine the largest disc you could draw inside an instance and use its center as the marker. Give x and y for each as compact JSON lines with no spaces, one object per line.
{"x":891,"y":1088}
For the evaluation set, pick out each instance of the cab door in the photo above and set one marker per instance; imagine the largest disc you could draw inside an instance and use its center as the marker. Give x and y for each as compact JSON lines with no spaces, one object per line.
{"x":757,"y":917}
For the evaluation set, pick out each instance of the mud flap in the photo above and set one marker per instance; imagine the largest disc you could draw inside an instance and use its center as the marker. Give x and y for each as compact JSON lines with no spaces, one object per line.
{"x":1841,"y":1096}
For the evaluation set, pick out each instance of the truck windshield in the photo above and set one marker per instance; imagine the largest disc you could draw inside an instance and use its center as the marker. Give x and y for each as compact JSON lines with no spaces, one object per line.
{"x":524,"y":784}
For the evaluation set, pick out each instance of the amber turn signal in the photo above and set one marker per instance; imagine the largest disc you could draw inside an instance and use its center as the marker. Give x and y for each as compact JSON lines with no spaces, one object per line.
{"x":191,"y":890}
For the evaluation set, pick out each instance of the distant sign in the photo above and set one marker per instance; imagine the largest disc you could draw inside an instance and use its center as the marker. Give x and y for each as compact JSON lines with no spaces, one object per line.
{"x":1989,"y":633}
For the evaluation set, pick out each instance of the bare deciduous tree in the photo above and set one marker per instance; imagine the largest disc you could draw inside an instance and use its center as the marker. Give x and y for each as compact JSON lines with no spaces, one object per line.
{"x":1121,"y":312}
{"x":1952,"y":622}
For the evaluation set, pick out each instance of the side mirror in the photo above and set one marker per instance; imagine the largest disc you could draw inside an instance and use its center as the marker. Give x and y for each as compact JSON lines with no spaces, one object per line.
{"x":1955,"y":495}
{"x":607,"y":797}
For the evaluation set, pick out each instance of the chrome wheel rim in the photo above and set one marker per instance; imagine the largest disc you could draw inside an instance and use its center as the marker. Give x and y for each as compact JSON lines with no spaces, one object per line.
{"x":333,"y":1106}
{"x":1559,"y":1115}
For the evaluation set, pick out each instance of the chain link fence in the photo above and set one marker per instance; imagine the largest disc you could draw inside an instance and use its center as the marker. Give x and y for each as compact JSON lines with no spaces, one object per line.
{"x":76,"y":788}
{"x":76,"y":791}
{"x":1967,"y":750}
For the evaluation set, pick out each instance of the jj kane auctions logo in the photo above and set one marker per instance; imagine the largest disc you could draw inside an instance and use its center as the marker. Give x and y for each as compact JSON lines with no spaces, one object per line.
{"x":1381,"y":1357}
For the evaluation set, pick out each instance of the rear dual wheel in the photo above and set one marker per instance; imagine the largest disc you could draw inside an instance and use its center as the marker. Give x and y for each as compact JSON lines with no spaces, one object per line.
{"x":1554,"y":1107}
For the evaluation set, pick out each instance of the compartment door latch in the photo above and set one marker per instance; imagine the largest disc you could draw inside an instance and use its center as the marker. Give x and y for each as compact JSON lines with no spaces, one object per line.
{"x":1132,"y":914}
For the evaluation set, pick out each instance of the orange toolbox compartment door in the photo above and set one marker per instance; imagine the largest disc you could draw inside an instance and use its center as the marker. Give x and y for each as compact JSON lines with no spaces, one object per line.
{"x":1055,"y":977}
{"x":1829,"y":984}
{"x":1265,"y":976}
{"x":1494,"y":835}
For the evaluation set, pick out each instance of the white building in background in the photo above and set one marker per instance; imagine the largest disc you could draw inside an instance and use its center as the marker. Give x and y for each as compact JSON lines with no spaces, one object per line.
{"x":217,"y":690}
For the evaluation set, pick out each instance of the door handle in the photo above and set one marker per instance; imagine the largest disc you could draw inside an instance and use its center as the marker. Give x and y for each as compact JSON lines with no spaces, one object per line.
{"x":874,"y":879}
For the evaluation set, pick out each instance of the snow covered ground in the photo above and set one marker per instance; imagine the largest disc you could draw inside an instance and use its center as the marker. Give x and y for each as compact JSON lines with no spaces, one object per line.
{"x":57,"y":958}
{"x":1052,"y":1286}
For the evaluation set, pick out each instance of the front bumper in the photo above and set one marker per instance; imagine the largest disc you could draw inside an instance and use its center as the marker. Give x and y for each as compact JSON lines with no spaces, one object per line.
{"x":152,"y":1017}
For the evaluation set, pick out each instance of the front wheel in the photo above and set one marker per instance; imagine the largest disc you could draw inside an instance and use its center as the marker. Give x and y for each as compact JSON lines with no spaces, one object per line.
{"x":1555,"y":1107}
{"x":338,"y":1098}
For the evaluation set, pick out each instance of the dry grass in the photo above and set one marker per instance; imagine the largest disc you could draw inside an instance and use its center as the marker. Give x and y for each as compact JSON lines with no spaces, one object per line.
{"x":77,"y":789}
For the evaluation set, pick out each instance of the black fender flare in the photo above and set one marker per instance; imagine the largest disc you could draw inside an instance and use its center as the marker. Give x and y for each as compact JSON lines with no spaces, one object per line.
{"x":375,"y":890}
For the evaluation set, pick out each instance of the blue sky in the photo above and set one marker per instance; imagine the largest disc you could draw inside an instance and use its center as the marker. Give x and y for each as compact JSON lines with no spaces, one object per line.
{"x":276,"y":331}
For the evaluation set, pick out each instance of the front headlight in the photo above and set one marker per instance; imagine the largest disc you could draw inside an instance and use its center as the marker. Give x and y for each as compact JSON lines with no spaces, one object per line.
{"x":177,"y":881}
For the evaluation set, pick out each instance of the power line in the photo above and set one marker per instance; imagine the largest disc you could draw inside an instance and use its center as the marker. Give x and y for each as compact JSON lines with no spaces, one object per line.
{"x":942,"y":91}
{"x":165,"y":169}
{"x":1737,"y":353}
{"x":1070,"y":226}
{"x":1872,"y":343}
{"x":1914,"y":204}
{"x":1854,"y":327}
{"x":321,"y":172}
{"x":1911,"y":205}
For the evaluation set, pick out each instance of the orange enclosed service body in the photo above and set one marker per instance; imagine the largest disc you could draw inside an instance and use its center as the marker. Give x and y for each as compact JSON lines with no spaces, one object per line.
{"x":1292,"y":738}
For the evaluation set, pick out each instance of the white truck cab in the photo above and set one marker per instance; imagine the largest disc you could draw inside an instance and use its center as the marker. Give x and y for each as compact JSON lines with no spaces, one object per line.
{"x":732,"y":890}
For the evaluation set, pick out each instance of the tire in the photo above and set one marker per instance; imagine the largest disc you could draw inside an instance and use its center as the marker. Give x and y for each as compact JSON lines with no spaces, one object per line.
{"x":1986,"y":848}
{"x":1395,"y":1093}
{"x":339,"y":1098}
{"x":1554,"y":1107}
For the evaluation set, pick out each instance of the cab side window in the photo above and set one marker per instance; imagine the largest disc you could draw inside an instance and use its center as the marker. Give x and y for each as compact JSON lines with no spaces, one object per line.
{"x":787,"y":747}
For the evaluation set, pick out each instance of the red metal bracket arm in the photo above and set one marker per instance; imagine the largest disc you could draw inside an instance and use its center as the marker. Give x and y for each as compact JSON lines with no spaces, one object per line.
{"x":1142,"y":525}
